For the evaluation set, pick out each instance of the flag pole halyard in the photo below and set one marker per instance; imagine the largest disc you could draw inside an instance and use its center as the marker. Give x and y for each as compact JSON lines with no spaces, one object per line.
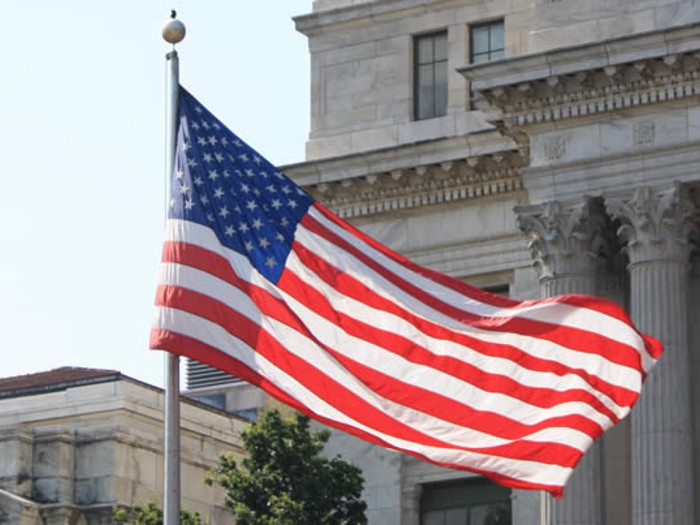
{"x":173,"y":32}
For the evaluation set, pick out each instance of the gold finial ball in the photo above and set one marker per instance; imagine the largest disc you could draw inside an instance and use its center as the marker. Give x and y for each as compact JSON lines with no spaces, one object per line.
{"x":173,"y":30}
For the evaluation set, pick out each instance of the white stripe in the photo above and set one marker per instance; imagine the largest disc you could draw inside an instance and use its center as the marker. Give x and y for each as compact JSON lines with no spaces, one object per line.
{"x":445,"y":347}
{"x":576,"y":317}
{"x":605,"y":369}
{"x":308,"y":350}
{"x":215,"y":336}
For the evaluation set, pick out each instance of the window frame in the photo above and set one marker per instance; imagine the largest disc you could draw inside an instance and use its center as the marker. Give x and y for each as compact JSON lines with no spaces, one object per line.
{"x":435,"y":63}
{"x":489,"y":25}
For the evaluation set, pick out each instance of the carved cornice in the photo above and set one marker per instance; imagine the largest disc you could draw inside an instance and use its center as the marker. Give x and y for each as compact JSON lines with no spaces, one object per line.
{"x":422,"y":185}
{"x":599,"y":90}
{"x":599,"y":77}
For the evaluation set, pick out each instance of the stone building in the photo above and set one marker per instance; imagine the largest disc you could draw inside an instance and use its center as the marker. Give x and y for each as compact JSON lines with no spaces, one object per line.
{"x":532,"y":148}
{"x":76,"y":442}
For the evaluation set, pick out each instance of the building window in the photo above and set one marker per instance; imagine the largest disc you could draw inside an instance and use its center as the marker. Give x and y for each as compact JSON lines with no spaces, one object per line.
{"x":474,"y":501}
{"x":487,"y":42}
{"x":430,"y":75}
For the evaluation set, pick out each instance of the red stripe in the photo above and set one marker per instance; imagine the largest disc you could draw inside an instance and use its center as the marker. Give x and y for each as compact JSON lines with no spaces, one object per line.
{"x":573,"y":338}
{"x":186,"y":346}
{"x":440,"y":406}
{"x":350,"y":287}
{"x":410,"y":350}
{"x":345,"y":400}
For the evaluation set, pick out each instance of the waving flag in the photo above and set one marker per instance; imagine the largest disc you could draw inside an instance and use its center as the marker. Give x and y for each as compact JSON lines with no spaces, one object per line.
{"x":261,"y":281}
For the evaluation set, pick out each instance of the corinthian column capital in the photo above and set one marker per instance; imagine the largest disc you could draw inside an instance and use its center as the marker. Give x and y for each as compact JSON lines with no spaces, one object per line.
{"x":657,"y":223}
{"x":566,"y":239}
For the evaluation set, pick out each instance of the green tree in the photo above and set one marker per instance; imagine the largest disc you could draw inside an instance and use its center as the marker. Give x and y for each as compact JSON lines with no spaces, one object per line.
{"x":151,"y":514}
{"x":285,"y":481}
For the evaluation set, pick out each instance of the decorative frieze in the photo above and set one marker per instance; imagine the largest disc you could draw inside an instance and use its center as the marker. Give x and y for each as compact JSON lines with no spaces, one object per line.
{"x":597,"y":90}
{"x":422,"y":185}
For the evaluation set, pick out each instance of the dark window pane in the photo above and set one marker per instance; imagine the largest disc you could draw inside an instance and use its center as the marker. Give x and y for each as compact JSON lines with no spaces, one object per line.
{"x":425,"y":50}
{"x":440,"y":88}
{"x":430,"y":75}
{"x":440,"y":47}
{"x":480,"y":40}
{"x":496,"y":37}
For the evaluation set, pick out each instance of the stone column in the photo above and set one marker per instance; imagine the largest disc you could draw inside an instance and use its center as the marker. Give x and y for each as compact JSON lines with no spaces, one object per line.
{"x":656,"y":227}
{"x":566,"y":245}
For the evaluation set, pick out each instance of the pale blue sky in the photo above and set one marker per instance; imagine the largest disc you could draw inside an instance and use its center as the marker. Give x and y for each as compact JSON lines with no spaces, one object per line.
{"x":82,"y":158}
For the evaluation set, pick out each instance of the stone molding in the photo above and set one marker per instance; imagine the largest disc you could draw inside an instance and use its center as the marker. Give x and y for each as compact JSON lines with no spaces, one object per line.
{"x":657,"y":224}
{"x":567,"y":239}
{"x":422,"y":185}
{"x":585,"y":80}
{"x":602,"y":90}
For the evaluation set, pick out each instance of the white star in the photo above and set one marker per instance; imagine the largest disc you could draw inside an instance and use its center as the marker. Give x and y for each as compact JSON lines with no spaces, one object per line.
{"x":276,"y":204}
{"x":204,"y":200}
{"x":245,"y":188}
{"x":230,"y":231}
{"x":205,"y":124}
{"x":243,"y":227}
{"x":224,"y":141}
{"x":226,"y":174}
{"x":264,"y":243}
{"x":270,"y":262}
{"x":224,"y":212}
{"x":271,"y":188}
{"x":286,"y":190}
{"x":191,"y":163}
{"x":280,"y":237}
{"x":202,"y":141}
{"x":184,"y":188}
{"x":180,"y":173}
{"x":215,"y":125}
{"x":210,"y":217}
{"x":189,"y":204}
{"x":219,"y":157}
{"x":195,"y":125}
{"x":213,"y":175}
{"x":250,"y":172}
{"x":284,"y":222}
{"x":186,"y":146}
{"x":238,"y":143}
{"x":207,"y":157}
{"x":256,"y":159}
{"x":198,"y":109}
{"x":249,"y":246}
{"x":218,"y":193}
{"x":213,"y":140}
{"x":243,"y":157}
{"x":251,"y":205}
{"x":292,"y":204}
{"x":257,"y":224}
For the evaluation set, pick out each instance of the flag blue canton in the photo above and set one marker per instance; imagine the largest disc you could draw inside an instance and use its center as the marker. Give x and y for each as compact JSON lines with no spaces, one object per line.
{"x":222,"y":183}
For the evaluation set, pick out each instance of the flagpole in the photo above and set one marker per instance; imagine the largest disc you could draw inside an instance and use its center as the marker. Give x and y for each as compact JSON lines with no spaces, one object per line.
{"x":173,"y":32}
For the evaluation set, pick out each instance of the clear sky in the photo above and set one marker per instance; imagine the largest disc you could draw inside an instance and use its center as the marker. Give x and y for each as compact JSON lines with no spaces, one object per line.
{"x":82,"y":158}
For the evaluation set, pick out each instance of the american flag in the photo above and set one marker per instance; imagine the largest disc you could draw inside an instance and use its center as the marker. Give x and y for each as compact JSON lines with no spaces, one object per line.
{"x":261,"y":281}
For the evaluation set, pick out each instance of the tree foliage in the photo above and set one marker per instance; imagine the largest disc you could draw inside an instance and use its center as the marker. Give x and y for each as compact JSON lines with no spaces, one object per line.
{"x":285,"y":481}
{"x":151,"y":514}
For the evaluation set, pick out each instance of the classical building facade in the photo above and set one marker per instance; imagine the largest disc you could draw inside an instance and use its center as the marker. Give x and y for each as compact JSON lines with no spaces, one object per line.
{"x":533,"y":148}
{"x":75,"y":443}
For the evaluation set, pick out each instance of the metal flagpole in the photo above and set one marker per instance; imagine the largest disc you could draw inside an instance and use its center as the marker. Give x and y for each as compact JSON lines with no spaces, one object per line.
{"x":173,"y":32}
